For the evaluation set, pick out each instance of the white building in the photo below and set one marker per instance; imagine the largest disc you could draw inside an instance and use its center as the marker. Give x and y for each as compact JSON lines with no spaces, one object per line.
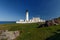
{"x":33,"y":20}
{"x":36,"y":19}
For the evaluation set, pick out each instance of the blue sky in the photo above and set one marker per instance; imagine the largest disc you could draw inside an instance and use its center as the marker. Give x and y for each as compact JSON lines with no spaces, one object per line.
{"x":12,"y":10}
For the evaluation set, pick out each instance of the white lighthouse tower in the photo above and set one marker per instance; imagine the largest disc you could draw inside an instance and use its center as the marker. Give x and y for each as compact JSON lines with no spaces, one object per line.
{"x":27,"y":15}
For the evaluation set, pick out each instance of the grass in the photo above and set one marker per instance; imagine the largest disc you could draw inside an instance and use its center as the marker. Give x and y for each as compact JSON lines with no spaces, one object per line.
{"x":31,"y":32}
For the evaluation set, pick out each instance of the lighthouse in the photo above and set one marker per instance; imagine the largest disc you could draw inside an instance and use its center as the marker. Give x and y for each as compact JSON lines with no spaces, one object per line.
{"x":27,"y":20}
{"x":27,"y":15}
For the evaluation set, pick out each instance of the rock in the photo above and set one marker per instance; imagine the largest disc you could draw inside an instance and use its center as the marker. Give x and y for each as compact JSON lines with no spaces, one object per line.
{"x":9,"y":35}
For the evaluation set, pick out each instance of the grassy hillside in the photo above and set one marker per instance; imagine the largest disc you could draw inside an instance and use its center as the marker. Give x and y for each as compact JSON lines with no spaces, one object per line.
{"x":31,"y":32}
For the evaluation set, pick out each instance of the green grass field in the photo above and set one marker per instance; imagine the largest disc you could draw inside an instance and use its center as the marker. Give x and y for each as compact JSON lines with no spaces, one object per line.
{"x":31,"y":32}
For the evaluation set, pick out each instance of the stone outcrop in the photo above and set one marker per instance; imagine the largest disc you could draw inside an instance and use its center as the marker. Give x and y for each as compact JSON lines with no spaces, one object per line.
{"x":9,"y":35}
{"x":52,"y":22}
